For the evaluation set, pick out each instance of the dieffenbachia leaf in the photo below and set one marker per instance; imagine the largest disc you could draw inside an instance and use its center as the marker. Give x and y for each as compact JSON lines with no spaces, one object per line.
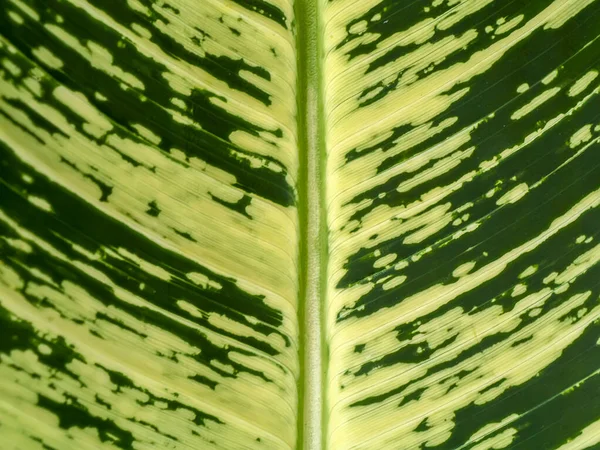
{"x":148,"y":227}
{"x":166,"y":171}
{"x":463,"y":203}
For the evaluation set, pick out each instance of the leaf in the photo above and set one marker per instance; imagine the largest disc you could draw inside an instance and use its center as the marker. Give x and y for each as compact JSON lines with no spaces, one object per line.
{"x":236,"y":224}
{"x":463,"y":278}
{"x":148,"y":220}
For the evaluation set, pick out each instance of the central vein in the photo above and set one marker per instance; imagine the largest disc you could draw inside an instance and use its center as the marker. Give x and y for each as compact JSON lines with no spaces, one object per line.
{"x":313,"y":246}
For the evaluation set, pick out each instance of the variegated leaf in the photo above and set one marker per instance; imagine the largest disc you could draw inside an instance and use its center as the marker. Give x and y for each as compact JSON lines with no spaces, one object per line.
{"x":191,"y":191}
{"x":148,"y":286}
{"x":463,"y":194}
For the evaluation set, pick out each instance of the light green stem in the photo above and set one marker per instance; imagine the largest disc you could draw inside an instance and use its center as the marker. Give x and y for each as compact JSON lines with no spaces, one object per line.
{"x":313,"y":247}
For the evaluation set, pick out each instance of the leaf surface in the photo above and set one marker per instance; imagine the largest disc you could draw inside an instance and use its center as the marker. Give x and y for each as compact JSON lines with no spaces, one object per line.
{"x":463,"y":197}
{"x":148,"y":224}
{"x":187,"y":188}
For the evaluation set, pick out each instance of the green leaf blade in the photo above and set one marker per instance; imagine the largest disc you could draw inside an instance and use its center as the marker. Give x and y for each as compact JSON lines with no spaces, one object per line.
{"x":220,"y":220}
{"x":462,"y":307}
{"x":149,"y":227}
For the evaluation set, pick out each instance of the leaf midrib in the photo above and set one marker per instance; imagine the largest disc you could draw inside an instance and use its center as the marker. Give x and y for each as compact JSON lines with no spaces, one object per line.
{"x":312,"y":423}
